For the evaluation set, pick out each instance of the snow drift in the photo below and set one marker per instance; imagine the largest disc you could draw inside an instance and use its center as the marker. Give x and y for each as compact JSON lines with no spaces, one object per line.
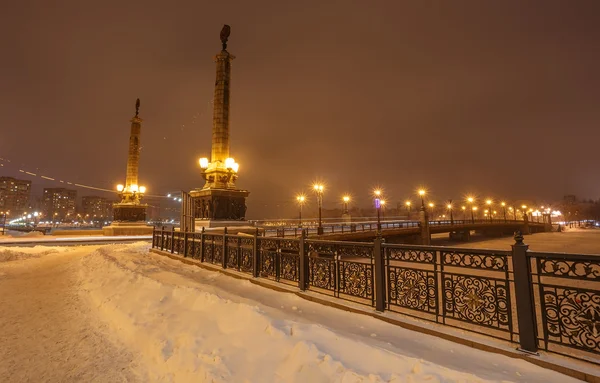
{"x":187,"y":334}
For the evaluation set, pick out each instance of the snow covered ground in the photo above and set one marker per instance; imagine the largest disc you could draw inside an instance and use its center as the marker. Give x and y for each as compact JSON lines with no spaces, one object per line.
{"x":120,"y":313}
{"x":576,"y":240}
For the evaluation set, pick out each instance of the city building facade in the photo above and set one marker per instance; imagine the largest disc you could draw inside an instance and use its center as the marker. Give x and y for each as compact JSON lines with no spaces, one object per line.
{"x":96,"y":208}
{"x":14,"y":195}
{"x":59,"y":204}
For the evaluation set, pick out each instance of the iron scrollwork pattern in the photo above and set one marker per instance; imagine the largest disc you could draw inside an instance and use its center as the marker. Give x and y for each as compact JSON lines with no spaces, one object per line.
{"x":572,"y":269}
{"x":572,"y":317}
{"x":218,"y":250}
{"x":268,"y":261}
{"x":288,"y":268}
{"x":478,"y":300}
{"x":247,"y":258}
{"x":483,"y":261}
{"x":321,"y":273}
{"x":410,"y":255}
{"x":232,"y":252}
{"x":356,"y":279}
{"x":412,"y":288}
{"x":209,"y":249}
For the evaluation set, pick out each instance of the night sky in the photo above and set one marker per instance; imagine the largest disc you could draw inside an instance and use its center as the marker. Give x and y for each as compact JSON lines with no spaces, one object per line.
{"x":498,"y":99}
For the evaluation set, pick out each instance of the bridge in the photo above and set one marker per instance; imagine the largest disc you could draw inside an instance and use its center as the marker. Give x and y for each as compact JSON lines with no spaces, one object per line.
{"x":409,"y":231}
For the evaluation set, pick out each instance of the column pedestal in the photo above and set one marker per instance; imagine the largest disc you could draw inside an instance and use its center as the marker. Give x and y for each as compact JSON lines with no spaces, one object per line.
{"x":128,"y":220}
{"x":219,"y":208}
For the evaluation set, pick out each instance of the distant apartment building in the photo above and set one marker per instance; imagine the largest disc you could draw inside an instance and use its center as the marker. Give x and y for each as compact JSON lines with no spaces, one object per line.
{"x":14,"y":195}
{"x":96,"y":208}
{"x":59,"y":204}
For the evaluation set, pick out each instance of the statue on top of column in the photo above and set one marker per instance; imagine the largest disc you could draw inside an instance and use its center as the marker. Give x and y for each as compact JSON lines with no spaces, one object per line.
{"x":225,"y":35}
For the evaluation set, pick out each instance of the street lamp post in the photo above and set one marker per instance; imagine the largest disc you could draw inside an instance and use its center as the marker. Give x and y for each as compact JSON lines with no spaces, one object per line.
{"x":301,"y":198}
{"x":377,"y":193}
{"x":383,"y":209}
{"x":489,"y":204}
{"x":471,"y":200}
{"x":346,"y":199}
{"x":408,"y":203}
{"x":464,"y":209}
{"x":449,"y":206}
{"x":319,"y":190}
{"x":421,"y":194}
{"x":431,"y":206}
{"x":524,"y":208}
{"x":503,"y":204}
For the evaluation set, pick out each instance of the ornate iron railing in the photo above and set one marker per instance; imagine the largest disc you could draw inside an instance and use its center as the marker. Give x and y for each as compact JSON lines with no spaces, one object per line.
{"x":566,"y":292}
{"x":545,"y":301}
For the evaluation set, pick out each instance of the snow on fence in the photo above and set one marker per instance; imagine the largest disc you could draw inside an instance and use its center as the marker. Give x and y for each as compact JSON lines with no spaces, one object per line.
{"x":548,"y":301}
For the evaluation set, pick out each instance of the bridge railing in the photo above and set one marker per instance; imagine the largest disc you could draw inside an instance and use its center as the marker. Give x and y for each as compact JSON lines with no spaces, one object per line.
{"x":340,"y":228}
{"x":540,"y":301}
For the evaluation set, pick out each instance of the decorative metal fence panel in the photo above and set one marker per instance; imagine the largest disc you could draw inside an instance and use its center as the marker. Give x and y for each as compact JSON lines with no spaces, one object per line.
{"x":345,"y":269}
{"x":557,"y":295}
{"x":567,"y":303}
{"x":463,"y":288}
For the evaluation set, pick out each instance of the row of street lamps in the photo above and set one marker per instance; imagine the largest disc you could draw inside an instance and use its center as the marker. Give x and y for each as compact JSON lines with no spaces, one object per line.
{"x":379,"y":203}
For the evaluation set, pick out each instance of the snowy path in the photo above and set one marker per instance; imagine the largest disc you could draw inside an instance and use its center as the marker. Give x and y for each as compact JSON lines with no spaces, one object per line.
{"x":117,"y":312}
{"x":47,"y":334}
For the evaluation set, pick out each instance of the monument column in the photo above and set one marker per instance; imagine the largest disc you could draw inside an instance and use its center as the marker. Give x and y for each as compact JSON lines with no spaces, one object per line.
{"x":129,"y":215}
{"x":220,"y":203}
{"x":133,"y":157}
{"x":220,"y":130}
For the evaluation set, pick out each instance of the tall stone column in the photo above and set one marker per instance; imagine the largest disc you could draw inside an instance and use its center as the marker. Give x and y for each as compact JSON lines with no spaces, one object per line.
{"x":129,"y":215}
{"x":220,"y":130}
{"x":220,"y":203}
{"x":133,"y":157}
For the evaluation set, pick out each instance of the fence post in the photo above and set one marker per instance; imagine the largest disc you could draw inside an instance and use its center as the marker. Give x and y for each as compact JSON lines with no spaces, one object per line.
{"x":193,"y":243}
{"x":303,"y":262}
{"x":172,"y":239}
{"x":255,"y":255}
{"x":153,"y":236}
{"x":224,"y":260}
{"x":523,"y":296}
{"x":185,"y":244}
{"x":202,"y":245}
{"x":162,"y":238}
{"x":379,"y":274}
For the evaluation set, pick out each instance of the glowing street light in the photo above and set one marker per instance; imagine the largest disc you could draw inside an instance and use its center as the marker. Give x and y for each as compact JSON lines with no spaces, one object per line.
{"x":489,"y":204}
{"x":422,"y":194}
{"x":346,"y":199}
{"x":471,"y":200}
{"x":464,"y":210}
{"x":408,"y":203}
{"x":503,"y":204}
{"x":319,"y":188}
{"x":377,"y":194}
{"x":449,"y":207}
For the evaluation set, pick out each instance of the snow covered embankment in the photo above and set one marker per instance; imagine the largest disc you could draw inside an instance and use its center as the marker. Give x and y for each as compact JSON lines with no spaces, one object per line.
{"x":24,"y":253}
{"x":187,"y":334}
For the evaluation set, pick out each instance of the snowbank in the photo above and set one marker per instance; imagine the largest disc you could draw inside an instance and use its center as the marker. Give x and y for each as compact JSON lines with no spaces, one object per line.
{"x":186,"y":333}
{"x":8,"y":254}
{"x":9,"y":234}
